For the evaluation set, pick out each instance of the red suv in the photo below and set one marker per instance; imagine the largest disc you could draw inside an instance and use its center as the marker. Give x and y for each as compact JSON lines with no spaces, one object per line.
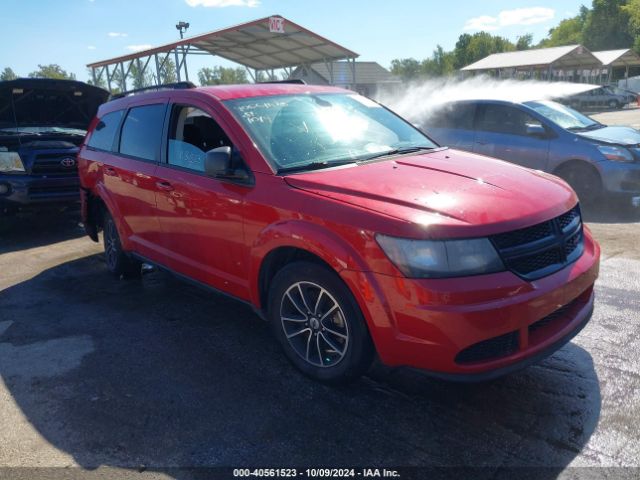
{"x":345,"y":227}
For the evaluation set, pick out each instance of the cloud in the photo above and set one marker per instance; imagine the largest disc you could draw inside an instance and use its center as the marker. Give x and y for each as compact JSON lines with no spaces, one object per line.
{"x":506,"y":18}
{"x":137,"y":48}
{"x":223,"y":3}
{"x":117,"y":34}
{"x":91,"y":47}
{"x":484,"y":22}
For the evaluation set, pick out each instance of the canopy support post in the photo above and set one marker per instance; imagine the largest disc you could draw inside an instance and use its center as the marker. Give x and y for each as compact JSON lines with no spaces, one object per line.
{"x":175,"y":53}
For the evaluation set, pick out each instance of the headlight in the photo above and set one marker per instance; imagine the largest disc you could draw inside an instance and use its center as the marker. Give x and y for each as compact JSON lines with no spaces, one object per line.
{"x":616,"y":154}
{"x":10,"y":162}
{"x":441,"y":258}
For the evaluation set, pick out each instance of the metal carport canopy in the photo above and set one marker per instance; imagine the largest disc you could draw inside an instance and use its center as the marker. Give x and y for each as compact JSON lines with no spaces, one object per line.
{"x":571,"y":56}
{"x":255,"y":44}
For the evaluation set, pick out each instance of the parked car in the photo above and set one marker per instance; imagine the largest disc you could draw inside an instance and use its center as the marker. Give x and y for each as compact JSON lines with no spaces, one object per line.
{"x":343,"y":225}
{"x":596,"y":160}
{"x":42,"y":122}
{"x":600,"y":98}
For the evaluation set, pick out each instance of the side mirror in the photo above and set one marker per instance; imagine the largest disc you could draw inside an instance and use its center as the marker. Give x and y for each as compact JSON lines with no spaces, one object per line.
{"x":535,"y":130}
{"x":217,"y":164}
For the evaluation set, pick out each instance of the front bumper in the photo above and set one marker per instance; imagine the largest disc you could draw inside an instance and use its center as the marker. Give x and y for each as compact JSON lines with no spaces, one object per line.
{"x":26,"y":190}
{"x":620,"y":178}
{"x":476,"y":328}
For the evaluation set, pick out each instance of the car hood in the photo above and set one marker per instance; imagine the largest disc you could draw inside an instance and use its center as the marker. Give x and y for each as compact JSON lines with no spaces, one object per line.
{"x":445,"y":192}
{"x":618,"y":135}
{"x":46,"y":102}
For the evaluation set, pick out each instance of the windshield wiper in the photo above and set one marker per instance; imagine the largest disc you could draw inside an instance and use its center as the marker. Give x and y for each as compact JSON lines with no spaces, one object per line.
{"x":314,"y":166}
{"x":593,"y":126}
{"x":398,"y":151}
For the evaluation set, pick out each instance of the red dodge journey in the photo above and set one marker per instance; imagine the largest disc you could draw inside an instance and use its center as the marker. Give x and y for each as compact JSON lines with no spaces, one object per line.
{"x":345,"y":227}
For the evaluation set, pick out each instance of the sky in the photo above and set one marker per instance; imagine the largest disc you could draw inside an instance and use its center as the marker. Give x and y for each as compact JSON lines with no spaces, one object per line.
{"x":73,"y":33}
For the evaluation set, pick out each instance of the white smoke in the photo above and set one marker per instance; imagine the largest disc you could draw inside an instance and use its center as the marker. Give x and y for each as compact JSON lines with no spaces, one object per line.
{"x":418,"y":101}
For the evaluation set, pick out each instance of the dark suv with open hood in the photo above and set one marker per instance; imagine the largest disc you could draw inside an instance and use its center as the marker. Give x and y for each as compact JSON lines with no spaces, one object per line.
{"x":42,"y":122}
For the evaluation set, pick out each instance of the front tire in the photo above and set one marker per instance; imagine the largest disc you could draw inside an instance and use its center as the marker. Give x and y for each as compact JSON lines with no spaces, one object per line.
{"x":117,"y":261}
{"x":319,"y":324}
{"x":585,"y":181}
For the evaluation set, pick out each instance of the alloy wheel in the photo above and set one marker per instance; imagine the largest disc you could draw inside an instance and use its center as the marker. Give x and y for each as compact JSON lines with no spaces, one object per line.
{"x":314,"y":324}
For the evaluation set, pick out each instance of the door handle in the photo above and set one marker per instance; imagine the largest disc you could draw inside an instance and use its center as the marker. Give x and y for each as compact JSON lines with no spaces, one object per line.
{"x":481,"y":143}
{"x":166,"y":186}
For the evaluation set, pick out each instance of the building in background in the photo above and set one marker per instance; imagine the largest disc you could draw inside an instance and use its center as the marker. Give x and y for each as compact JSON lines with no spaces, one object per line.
{"x":371,"y":78}
{"x":571,"y":63}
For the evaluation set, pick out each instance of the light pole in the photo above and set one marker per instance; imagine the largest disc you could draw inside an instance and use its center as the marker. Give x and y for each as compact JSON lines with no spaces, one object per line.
{"x":182,"y":27}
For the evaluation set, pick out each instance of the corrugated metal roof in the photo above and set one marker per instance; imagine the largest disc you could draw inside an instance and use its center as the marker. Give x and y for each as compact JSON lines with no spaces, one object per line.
{"x":616,"y":58}
{"x":366,"y":73}
{"x":568,"y":56}
{"x":253,"y":45}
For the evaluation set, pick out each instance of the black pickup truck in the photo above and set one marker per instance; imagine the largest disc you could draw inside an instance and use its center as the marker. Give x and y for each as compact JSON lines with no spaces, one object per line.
{"x":42,"y":123}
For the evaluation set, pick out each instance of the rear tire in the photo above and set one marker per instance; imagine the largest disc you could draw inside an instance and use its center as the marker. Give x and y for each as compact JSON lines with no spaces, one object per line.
{"x":319,"y":324}
{"x":584,"y":180}
{"x":614,"y":104}
{"x":117,"y":261}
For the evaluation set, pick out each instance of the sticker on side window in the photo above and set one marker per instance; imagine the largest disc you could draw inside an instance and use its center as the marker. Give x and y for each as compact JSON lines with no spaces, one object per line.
{"x":365,"y":101}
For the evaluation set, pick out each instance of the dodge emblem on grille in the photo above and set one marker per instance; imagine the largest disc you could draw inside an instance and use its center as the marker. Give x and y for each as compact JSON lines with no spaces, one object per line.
{"x":68,"y":162}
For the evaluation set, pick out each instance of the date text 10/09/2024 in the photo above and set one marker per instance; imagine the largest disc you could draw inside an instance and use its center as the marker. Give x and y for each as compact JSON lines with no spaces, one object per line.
{"x":316,"y":473}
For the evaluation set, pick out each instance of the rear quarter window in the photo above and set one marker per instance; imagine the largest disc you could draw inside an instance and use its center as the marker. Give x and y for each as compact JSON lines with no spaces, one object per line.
{"x":104,"y":134}
{"x":142,"y":132}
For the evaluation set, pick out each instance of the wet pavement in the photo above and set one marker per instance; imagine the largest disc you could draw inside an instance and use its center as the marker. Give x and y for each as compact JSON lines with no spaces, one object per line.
{"x":101,"y":372}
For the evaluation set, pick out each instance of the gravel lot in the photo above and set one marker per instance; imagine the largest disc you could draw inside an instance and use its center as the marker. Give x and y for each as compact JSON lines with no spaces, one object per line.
{"x":130,"y":375}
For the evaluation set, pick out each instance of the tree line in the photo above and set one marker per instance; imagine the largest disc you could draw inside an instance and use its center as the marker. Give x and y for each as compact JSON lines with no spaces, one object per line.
{"x":607,"y":25}
{"x":136,"y":78}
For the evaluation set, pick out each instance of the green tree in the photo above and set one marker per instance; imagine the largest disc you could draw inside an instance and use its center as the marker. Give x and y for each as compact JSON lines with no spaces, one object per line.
{"x":8,"y":74}
{"x":607,"y":26}
{"x":406,"y":68}
{"x":440,"y":64}
{"x":100,"y":81}
{"x":222,"y":76}
{"x":140,"y":78}
{"x":524,"y":42}
{"x":52,"y":70}
{"x":632,"y":9}
{"x":568,"y":32}
{"x":168,"y":72}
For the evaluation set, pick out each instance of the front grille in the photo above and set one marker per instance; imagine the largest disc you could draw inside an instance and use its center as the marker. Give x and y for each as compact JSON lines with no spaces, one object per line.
{"x":540,"y":250}
{"x":491,"y":349}
{"x":51,"y":164}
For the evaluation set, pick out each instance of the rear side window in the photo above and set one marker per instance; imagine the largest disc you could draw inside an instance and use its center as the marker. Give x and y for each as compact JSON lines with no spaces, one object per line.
{"x":456,"y":115}
{"x":104,"y":134}
{"x":142,"y":132}
{"x":505,"y":119}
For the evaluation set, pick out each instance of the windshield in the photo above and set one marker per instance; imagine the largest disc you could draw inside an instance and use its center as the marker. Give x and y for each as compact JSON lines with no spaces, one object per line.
{"x":563,"y":116}
{"x":42,"y":130}
{"x":310,"y":130}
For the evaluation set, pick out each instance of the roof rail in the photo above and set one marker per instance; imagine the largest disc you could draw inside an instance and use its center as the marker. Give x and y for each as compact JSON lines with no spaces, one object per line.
{"x":298,"y":81}
{"x":165,"y":86}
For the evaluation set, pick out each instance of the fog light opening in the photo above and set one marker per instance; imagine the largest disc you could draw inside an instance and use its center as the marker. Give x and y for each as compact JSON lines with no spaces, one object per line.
{"x":5,"y":189}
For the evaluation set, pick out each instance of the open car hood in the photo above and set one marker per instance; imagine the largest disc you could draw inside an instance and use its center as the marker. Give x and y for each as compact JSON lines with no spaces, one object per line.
{"x":46,"y":102}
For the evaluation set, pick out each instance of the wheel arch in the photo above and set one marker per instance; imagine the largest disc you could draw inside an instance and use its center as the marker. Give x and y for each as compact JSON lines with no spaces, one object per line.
{"x":285,"y":242}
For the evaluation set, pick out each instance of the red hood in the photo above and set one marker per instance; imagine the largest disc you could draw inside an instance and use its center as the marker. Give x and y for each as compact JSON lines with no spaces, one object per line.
{"x":463,"y":193}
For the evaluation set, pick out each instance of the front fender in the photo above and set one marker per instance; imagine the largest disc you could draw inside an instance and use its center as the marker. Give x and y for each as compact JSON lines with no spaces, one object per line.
{"x":325,"y":244}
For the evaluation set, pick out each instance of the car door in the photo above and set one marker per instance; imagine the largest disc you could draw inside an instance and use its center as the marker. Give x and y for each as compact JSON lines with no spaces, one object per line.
{"x":503,"y":131}
{"x":201,"y":217}
{"x":128,"y":175}
{"x":452,"y":125}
